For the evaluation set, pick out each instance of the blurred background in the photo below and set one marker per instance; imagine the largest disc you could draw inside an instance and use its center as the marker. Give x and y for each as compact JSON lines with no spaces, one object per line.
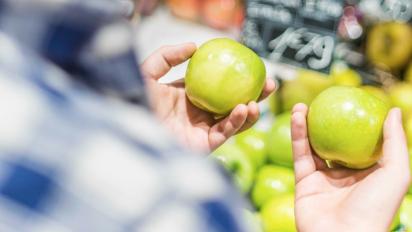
{"x":307,"y":47}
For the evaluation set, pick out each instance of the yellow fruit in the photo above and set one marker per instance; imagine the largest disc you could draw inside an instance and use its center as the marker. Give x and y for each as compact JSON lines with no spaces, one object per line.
{"x":408,"y":74}
{"x":377,"y":92}
{"x":401,"y":96}
{"x":307,"y":85}
{"x":342,"y":75}
{"x":389,"y":45}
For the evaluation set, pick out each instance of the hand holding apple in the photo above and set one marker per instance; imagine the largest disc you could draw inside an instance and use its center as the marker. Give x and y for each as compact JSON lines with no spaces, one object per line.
{"x":345,"y":199}
{"x":195,"y":128}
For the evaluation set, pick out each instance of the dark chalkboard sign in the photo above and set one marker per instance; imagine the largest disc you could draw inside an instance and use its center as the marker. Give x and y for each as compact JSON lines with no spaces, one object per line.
{"x":297,"y":32}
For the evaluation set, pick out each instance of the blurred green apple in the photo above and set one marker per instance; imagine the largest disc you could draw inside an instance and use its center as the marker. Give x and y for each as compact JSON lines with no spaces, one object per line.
{"x":408,"y":73}
{"x":406,"y":212}
{"x":345,"y":126}
{"x":377,"y":92}
{"x":278,"y":214}
{"x":272,"y":181}
{"x":303,"y":89}
{"x":401,"y":96}
{"x":345,"y":76}
{"x":410,"y":168}
{"x":274,"y":103}
{"x":223,"y":73}
{"x":253,"y":221}
{"x":408,"y":129}
{"x":253,"y":143}
{"x":237,"y":163}
{"x":279,"y":141}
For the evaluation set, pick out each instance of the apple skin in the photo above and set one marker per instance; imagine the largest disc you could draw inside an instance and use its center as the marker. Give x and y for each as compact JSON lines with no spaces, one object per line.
{"x":279,"y":141}
{"x":342,"y":75}
{"x":406,"y":212}
{"x":303,"y":89}
{"x":401,"y":96}
{"x":253,"y":143}
{"x":377,"y":92}
{"x":345,"y":126}
{"x":408,"y":129}
{"x":223,"y":73}
{"x":272,"y":181}
{"x":278,"y":214}
{"x":236,"y":162}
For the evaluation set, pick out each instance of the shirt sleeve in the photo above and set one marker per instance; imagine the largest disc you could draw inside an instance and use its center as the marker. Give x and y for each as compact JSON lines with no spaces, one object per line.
{"x":72,"y":160}
{"x":90,"y":40}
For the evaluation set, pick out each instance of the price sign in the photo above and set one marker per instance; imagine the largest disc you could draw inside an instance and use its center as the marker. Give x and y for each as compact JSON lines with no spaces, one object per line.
{"x":298,"y":32}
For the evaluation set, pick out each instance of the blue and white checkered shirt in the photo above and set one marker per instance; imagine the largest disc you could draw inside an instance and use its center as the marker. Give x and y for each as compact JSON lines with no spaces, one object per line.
{"x":75,"y":154}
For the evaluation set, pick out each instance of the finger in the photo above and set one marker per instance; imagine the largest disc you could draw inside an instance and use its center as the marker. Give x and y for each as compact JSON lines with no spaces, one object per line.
{"x":224,"y":129}
{"x":304,"y":163}
{"x":252,"y":117}
{"x":268,"y":88}
{"x":395,"y":150}
{"x":163,"y":59}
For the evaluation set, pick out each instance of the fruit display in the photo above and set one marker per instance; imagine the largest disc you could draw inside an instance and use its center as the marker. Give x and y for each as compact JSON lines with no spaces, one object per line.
{"x":235,"y":160}
{"x":223,"y":73}
{"x":219,"y":14}
{"x":401,"y":96}
{"x":345,"y":126}
{"x":279,"y":141}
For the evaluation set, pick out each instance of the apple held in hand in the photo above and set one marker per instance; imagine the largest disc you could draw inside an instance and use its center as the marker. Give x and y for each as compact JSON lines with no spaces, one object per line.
{"x":279,"y":141}
{"x":377,"y":92}
{"x":223,"y":73}
{"x":278,"y":214}
{"x":253,"y":143}
{"x":237,"y":163}
{"x":345,"y":126}
{"x":272,"y":181}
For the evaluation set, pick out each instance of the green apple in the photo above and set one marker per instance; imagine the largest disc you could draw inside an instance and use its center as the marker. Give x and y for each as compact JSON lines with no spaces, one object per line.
{"x":278,"y":214}
{"x":279,"y":141}
{"x":345,"y":126}
{"x":395,"y":222}
{"x":377,"y":92}
{"x":274,"y":103}
{"x":303,"y":89}
{"x":253,"y":221}
{"x":410,"y":167}
{"x":253,"y":143}
{"x":223,"y":73}
{"x":401,"y":96}
{"x":406,"y":212}
{"x":237,"y":163}
{"x":272,"y":181}
{"x":343,"y":75}
{"x":408,"y":129}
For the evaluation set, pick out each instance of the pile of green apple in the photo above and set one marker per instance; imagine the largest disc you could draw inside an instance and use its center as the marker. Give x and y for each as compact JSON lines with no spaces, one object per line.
{"x":266,"y":179}
{"x":261,"y":160}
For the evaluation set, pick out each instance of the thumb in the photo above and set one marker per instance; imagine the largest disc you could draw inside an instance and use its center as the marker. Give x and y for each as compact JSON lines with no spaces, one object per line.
{"x":395,"y":150}
{"x":163,"y":59}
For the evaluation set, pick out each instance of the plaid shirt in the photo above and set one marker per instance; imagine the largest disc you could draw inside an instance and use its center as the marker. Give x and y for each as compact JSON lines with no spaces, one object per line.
{"x":75,"y":154}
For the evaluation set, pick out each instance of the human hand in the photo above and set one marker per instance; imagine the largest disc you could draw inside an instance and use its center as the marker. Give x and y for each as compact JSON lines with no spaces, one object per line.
{"x":195,"y":128}
{"x":341,"y":199}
